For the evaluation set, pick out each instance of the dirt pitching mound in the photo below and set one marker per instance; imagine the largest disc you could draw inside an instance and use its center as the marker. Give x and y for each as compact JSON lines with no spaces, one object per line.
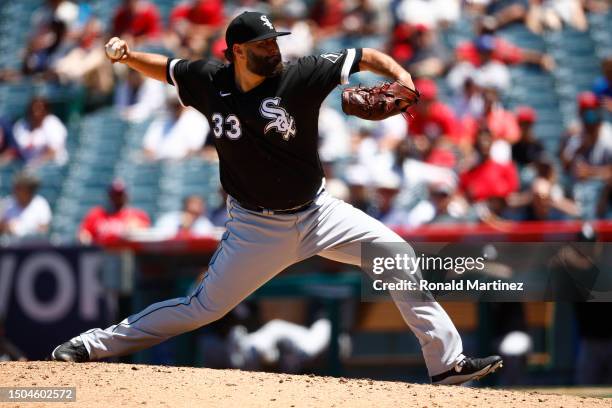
{"x":127,"y":385}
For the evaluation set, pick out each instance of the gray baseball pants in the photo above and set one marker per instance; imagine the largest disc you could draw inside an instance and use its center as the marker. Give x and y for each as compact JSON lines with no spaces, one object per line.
{"x":256,"y":247}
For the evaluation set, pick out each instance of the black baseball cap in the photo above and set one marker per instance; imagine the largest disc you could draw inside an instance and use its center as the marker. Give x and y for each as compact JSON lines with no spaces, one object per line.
{"x":250,"y":26}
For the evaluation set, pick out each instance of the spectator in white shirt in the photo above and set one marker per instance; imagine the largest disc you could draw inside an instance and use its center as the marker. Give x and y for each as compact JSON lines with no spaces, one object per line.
{"x":390,"y":132}
{"x":189,"y":222}
{"x":430,"y":13}
{"x":178,"y":134}
{"x":334,"y":135}
{"x":41,"y":136}
{"x":25,"y":213}
{"x":552,"y":14}
{"x":301,"y":41}
{"x":490,"y":74}
{"x":137,"y":98}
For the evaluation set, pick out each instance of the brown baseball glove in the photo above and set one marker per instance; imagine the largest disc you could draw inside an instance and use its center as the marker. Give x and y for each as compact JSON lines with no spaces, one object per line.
{"x":378,"y":102}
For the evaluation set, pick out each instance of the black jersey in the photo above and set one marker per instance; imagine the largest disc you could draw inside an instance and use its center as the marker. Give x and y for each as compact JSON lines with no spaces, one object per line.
{"x":266,"y":138}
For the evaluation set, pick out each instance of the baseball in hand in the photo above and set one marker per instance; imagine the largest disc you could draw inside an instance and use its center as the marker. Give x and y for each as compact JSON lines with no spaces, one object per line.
{"x":114,"y":51}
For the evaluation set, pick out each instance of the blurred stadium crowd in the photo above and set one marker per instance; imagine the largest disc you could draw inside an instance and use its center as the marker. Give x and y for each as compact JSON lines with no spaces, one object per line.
{"x":513,"y":124}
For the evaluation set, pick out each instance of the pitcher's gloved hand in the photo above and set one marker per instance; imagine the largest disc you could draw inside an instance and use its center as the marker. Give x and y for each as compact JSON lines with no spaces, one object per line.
{"x":378,"y":102}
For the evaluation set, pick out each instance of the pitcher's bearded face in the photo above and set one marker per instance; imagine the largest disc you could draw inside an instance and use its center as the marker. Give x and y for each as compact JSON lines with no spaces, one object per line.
{"x":264,"y":58}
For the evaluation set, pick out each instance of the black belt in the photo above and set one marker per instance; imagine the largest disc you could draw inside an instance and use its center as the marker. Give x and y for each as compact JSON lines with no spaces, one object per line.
{"x":267,"y":211}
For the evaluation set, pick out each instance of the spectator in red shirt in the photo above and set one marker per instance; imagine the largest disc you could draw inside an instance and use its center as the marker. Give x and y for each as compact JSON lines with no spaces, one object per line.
{"x":198,"y":12}
{"x":328,"y":16}
{"x":138,"y":20}
{"x":500,"y":122}
{"x":503,"y":50}
{"x":488,"y":179}
{"x":434,"y":127}
{"x":193,"y":23}
{"x":432,"y":118}
{"x":400,"y":47}
{"x":105,"y":224}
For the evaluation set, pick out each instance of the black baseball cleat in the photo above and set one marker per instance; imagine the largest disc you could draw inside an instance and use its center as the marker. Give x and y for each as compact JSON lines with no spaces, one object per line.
{"x":73,"y":351}
{"x":468,"y":369}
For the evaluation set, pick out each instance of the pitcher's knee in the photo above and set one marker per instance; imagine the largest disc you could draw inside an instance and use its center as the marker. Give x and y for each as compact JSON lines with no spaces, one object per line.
{"x":388,"y":237}
{"x":386,"y":234}
{"x":208,"y":309}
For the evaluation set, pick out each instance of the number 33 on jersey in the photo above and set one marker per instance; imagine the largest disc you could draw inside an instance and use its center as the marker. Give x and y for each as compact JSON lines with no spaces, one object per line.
{"x":230,"y":125}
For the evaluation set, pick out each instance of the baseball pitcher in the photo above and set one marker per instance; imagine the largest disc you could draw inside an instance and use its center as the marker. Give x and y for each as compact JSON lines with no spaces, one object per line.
{"x":263,"y":115}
